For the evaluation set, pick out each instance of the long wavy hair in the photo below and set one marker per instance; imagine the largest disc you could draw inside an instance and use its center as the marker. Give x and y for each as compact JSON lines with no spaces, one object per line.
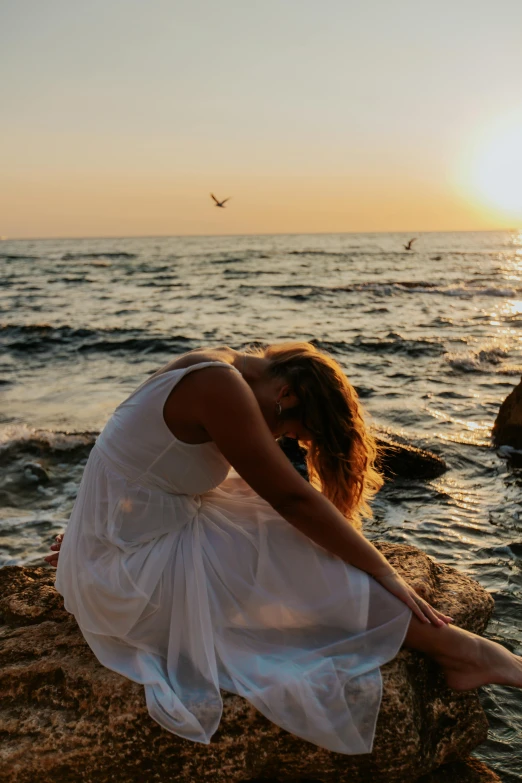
{"x":342,"y":453}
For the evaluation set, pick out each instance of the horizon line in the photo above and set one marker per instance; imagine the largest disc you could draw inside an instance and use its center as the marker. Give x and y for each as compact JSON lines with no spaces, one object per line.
{"x":263,"y":234}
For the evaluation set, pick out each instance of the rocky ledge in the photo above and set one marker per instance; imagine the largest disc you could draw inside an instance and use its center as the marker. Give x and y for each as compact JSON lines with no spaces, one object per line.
{"x":507,"y":429}
{"x":63,"y":717}
{"x":398,"y":457}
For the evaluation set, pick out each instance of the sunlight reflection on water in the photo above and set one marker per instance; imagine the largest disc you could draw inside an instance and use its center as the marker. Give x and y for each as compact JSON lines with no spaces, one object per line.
{"x":431,"y":339}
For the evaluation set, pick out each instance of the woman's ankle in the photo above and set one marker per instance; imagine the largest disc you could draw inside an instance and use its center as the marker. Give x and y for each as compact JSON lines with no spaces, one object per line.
{"x":448,"y":645}
{"x":464,"y":652}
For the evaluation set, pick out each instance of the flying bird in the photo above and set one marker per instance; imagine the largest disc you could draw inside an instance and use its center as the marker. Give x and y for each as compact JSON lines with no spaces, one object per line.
{"x":220,"y":203}
{"x":408,"y":245}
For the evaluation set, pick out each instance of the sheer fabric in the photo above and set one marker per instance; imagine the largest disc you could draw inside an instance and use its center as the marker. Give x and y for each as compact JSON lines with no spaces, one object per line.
{"x":182,"y":579}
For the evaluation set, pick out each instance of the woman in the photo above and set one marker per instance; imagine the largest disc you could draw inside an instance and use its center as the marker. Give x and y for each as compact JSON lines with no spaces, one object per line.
{"x":188,"y":581}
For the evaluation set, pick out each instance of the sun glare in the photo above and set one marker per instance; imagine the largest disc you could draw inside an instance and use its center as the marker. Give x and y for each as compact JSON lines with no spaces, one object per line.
{"x":492,"y":170}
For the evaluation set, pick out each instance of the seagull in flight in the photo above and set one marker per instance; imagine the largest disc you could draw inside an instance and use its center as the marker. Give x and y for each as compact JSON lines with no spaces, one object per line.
{"x":220,"y":203}
{"x":408,"y":245}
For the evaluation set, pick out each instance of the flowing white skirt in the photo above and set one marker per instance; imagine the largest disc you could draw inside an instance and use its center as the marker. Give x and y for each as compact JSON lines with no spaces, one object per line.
{"x":188,"y":595}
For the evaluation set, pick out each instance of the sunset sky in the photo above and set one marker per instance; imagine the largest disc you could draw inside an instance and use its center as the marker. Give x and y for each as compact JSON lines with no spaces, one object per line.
{"x":120,"y":116}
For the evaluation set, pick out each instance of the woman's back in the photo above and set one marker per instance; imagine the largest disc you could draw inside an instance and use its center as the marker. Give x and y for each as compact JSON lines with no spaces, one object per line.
{"x":137,"y":442}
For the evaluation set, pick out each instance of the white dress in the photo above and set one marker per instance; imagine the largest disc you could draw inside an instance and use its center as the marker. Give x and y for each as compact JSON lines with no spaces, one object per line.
{"x":183,"y":579}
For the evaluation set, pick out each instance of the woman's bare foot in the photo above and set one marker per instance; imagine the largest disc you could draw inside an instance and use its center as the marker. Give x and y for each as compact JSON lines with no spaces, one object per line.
{"x":53,"y":559}
{"x":468,"y":661}
{"x":493,"y":665}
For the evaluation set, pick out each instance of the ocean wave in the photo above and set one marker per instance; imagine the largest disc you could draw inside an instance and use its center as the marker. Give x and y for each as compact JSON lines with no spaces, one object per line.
{"x":20,"y":437}
{"x":395,"y":343}
{"x":295,"y":286}
{"x":485,"y":360}
{"x":163,"y":283}
{"x":40,"y":338}
{"x":78,"y":279}
{"x":465,"y":290}
{"x":234,"y":260}
{"x":470,"y":291}
{"x":322,"y":253}
{"x":107,"y":254}
{"x":331,"y":346}
{"x":354,"y":251}
{"x":41,"y":471}
{"x":298,"y":291}
{"x":13,"y":257}
{"x":513,"y":320}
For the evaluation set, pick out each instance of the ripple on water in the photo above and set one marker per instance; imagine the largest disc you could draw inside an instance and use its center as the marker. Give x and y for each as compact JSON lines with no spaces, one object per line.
{"x":428,"y":337}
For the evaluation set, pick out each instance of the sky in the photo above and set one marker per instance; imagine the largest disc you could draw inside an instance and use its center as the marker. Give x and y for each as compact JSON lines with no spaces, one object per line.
{"x":119,"y":117}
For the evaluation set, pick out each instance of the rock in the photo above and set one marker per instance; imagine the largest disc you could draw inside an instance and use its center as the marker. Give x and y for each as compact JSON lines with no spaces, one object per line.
{"x":64,"y":717}
{"x":35,"y":473}
{"x":398,"y":458}
{"x":507,"y":429}
{"x":468,"y":771}
{"x":40,"y":466}
{"x":404,"y":460}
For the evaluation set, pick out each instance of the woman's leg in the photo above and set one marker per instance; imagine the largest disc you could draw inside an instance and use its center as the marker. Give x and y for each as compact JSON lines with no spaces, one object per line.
{"x":469,"y":661}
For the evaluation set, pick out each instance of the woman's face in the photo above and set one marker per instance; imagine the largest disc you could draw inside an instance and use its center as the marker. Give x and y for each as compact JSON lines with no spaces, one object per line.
{"x":270,"y":395}
{"x":293,"y":427}
{"x":297,"y":430}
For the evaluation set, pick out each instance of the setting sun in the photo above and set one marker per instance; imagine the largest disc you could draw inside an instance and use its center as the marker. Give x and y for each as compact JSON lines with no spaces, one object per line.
{"x":492,"y":173}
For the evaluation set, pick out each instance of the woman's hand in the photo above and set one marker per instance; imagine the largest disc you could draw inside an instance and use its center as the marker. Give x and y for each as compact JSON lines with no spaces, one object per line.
{"x":53,"y":559}
{"x":396,"y":585}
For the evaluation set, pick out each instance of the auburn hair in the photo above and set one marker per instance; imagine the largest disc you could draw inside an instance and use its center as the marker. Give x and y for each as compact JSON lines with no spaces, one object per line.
{"x":342,"y":452}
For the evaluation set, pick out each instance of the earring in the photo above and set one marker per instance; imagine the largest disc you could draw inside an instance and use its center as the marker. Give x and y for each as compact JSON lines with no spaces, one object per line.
{"x":279,"y":409}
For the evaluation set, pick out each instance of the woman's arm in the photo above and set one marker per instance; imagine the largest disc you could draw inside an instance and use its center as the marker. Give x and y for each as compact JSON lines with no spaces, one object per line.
{"x":228,"y":410}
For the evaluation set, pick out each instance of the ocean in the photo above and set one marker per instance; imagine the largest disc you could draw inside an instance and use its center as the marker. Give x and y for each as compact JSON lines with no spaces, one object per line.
{"x":431,"y":338}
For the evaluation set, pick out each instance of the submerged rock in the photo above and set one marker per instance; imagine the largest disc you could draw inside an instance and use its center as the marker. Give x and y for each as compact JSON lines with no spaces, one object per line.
{"x":64,"y":717}
{"x":400,"y":459}
{"x":507,"y":429}
{"x":35,"y":473}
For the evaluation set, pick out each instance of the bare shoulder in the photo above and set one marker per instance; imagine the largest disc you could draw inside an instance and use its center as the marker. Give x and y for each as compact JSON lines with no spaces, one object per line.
{"x":216,"y":391}
{"x":218,"y":386}
{"x":217,"y":404}
{"x":198,"y":355}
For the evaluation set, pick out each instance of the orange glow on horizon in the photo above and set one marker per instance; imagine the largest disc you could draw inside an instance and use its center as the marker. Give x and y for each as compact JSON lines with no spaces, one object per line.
{"x":97,"y":205}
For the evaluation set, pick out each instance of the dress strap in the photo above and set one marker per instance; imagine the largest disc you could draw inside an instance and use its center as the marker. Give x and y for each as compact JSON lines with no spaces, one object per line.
{"x":182,"y":372}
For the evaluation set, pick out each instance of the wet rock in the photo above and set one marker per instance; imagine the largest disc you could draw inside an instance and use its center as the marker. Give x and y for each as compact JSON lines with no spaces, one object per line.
{"x":64,"y":717}
{"x":35,"y":473}
{"x":513,"y":456}
{"x":507,"y":429}
{"x":37,"y":467}
{"x":400,"y":459}
{"x":468,"y":771}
